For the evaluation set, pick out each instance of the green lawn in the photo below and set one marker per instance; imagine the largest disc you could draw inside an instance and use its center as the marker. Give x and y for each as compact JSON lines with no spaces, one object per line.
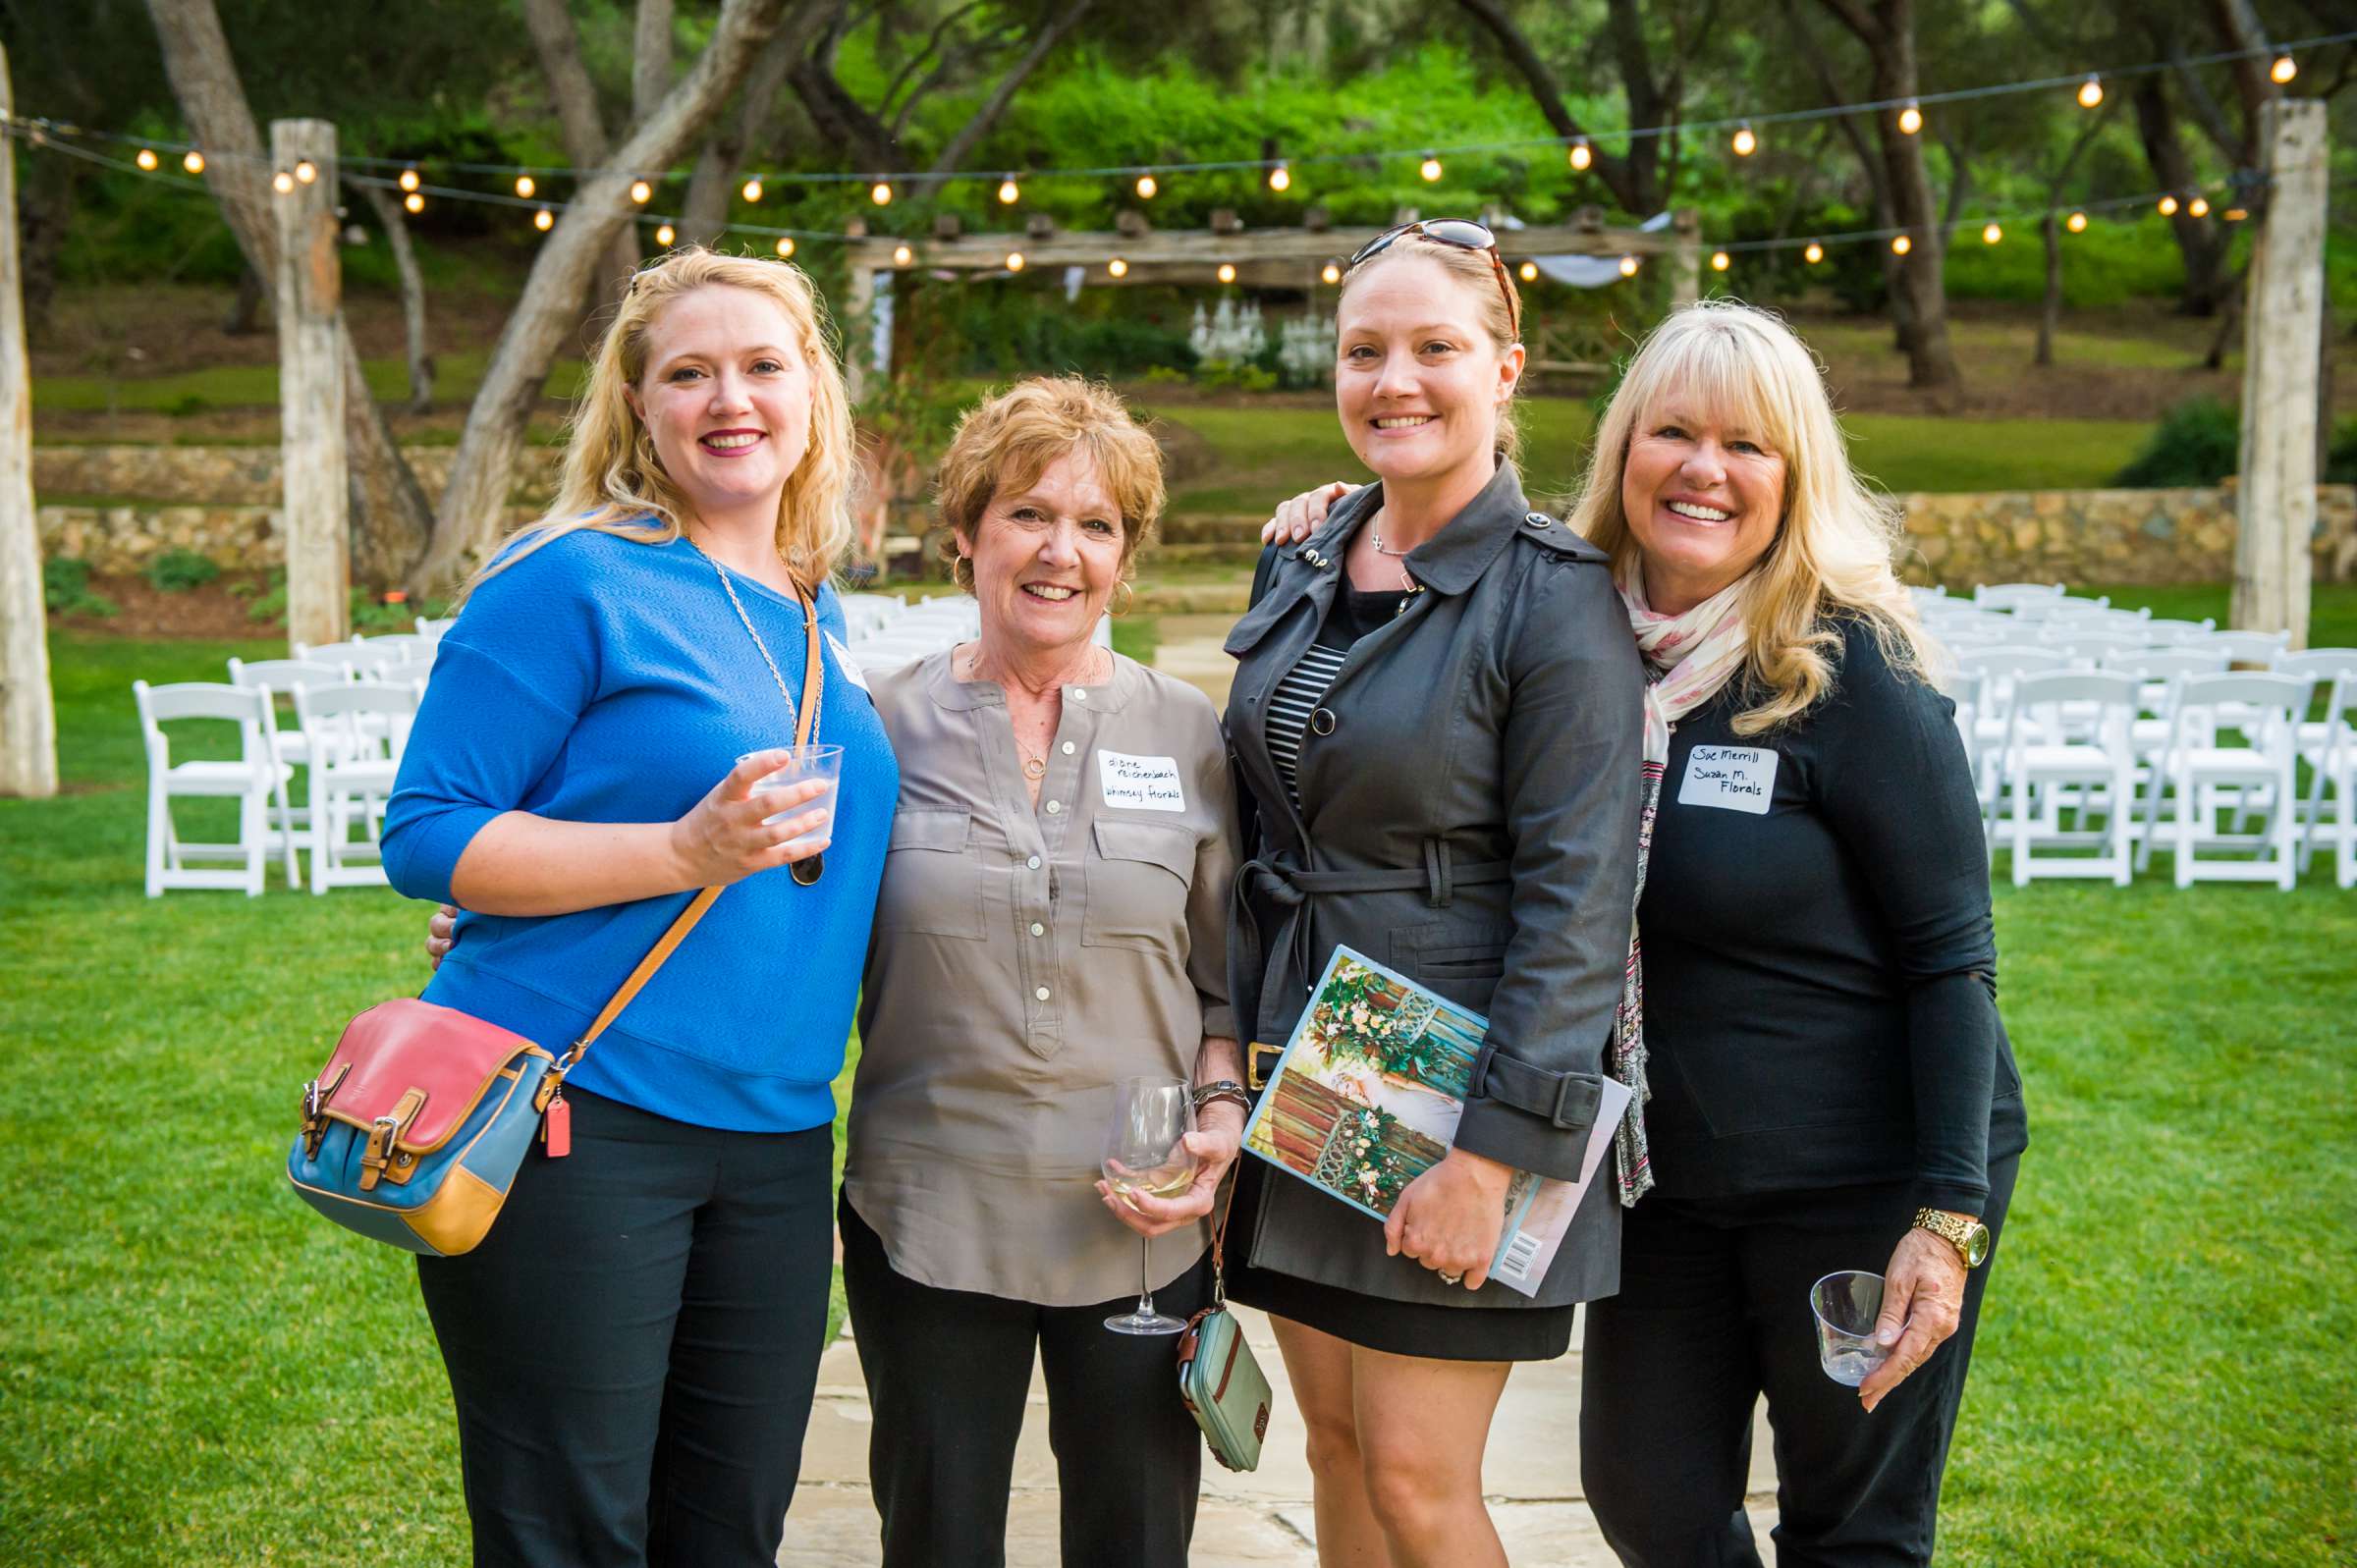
{"x":457,"y":375}
{"x":202,"y":1373}
{"x":1265,"y":453}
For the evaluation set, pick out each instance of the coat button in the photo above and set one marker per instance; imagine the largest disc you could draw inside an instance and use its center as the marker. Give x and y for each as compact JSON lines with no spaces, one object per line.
{"x":1054,"y":806}
{"x":1070,"y":748}
{"x":1321,"y":721}
{"x":1041,"y":994}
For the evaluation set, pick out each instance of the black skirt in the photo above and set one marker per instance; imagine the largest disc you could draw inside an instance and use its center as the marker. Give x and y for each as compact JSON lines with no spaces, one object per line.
{"x":1475,"y":1331}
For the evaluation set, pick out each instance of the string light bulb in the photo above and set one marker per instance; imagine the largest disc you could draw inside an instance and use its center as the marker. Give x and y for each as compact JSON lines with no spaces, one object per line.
{"x":2284,"y":69}
{"x":901,"y":256}
{"x":2076,"y":223}
{"x":192,"y":161}
{"x":415,"y":202}
{"x":785,"y":247}
{"x":1814,"y":255}
{"x":1281,"y":179}
{"x":1992,"y":234}
{"x":880,"y":192}
{"x":665,"y":234}
{"x":1629,"y":266}
{"x":305,"y":171}
{"x":1146,"y":188}
{"x":1528,"y":271}
{"x":1721,"y":261}
{"x":525,"y":187}
{"x":1745,"y":142}
{"x":2235,"y":214}
{"x":1118,"y":267}
{"x":1581,"y":154}
{"x":146,"y":159}
{"x":1015,"y":261}
{"x":1008,"y":192}
{"x":1430,"y":168}
{"x":1900,"y":244}
{"x":1330,"y":274}
{"x":1910,"y":120}
{"x":282,"y":182}
{"x":408,"y":179}
{"x":2169,"y":206}
{"x":544,"y":220}
{"x":642,"y":192}
{"x":2199,"y":207}
{"x":752,"y":190}
{"x":2090,"y":92}
{"x":1227,"y":272}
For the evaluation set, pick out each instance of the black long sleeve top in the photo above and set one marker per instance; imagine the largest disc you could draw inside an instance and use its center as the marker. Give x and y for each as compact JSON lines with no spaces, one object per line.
{"x":1820,"y":960}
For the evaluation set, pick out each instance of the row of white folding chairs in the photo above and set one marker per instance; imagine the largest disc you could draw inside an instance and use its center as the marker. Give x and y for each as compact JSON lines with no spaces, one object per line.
{"x":349,"y":737}
{"x":2165,"y":733}
{"x":362,"y":655}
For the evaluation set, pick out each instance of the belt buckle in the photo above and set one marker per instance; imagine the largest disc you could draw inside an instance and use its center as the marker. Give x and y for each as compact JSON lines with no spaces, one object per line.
{"x":1254,"y":1078}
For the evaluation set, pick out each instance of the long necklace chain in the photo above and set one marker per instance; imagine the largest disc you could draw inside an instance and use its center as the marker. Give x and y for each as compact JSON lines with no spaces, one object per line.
{"x":818,"y":700}
{"x":1414,"y":587}
{"x":1036,"y":767}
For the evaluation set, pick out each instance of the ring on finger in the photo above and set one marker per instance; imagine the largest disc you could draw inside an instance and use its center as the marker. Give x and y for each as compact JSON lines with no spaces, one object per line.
{"x":1448,"y":1279}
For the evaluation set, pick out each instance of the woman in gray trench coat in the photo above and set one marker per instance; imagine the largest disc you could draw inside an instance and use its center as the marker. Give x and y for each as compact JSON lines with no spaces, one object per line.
{"x":1437,"y":729}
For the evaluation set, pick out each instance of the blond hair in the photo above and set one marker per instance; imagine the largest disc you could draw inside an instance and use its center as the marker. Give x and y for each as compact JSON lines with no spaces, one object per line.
{"x":1008,"y":441}
{"x":1831,"y":558}
{"x":613,"y":480}
{"x":1489,"y":286}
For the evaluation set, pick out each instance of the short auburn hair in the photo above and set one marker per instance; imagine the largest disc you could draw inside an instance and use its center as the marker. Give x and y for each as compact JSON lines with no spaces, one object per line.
{"x":1008,"y":441}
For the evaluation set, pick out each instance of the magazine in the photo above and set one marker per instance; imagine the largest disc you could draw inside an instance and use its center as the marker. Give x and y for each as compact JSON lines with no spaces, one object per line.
{"x":1366,"y":1099}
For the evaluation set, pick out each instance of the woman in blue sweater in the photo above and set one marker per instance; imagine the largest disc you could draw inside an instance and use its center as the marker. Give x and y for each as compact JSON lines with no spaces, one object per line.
{"x":633,"y":1350}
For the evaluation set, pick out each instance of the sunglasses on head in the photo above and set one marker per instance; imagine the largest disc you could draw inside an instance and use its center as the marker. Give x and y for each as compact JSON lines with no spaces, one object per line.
{"x":1463,"y":233}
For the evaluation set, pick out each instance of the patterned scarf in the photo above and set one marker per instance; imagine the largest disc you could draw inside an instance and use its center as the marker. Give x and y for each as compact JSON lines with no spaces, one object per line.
{"x":1687,"y":659}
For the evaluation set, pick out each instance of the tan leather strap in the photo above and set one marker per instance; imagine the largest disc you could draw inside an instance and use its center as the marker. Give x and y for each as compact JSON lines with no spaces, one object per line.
{"x":814,"y":672}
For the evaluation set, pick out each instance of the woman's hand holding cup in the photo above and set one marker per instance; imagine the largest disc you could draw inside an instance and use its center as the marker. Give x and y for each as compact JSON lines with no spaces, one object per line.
{"x":738,"y":830}
{"x":1214,"y":1144}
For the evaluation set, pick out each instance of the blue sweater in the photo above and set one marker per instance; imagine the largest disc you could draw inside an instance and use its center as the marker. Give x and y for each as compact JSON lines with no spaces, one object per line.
{"x":602,"y":681}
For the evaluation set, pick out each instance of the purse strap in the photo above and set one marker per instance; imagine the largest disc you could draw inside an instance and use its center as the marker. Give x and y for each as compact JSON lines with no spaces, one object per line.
{"x":813,"y":672}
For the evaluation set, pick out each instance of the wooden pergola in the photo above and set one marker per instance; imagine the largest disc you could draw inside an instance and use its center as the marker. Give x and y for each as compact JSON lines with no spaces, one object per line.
{"x":1262,"y":258}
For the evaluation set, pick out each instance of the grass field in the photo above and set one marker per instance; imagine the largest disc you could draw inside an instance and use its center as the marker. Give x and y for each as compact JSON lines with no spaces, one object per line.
{"x":202,"y":1373}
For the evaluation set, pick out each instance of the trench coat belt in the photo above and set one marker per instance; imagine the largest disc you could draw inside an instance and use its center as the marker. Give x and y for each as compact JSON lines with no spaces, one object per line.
{"x":1290,"y":887}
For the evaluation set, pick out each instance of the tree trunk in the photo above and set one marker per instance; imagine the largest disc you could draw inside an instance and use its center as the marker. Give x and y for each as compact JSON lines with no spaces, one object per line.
{"x":45,"y":214}
{"x":574,"y":95}
{"x":2204,"y":256}
{"x":704,"y":217}
{"x":2050,"y":312}
{"x":28,"y":709}
{"x":1632,"y":179}
{"x":391,"y":520}
{"x":413,"y":292}
{"x":473,"y":506}
{"x":245,"y":316}
{"x":979,"y":124}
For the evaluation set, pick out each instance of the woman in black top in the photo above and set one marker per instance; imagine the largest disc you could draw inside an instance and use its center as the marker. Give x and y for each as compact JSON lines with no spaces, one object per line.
{"x":1435,"y":724}
{"x":1831,"y":1086}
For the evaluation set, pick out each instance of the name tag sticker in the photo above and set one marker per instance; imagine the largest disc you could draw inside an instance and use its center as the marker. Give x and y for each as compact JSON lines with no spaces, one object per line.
{"x":1730,"y":778}
{"x":1140,"y":784}
{"x":849,"y":666}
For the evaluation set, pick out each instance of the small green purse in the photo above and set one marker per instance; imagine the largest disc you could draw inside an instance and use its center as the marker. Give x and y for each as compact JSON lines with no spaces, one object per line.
{"x":1219,"y":1380}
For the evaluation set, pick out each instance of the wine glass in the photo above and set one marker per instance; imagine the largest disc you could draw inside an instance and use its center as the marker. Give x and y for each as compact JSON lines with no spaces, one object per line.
{"x":1145,"y":1152}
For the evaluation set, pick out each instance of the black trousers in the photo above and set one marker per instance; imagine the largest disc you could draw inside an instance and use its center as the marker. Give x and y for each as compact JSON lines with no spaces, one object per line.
{"x":634,"y":1347}
{"x":947,"y":1372}
{"x":1713,"y":1311}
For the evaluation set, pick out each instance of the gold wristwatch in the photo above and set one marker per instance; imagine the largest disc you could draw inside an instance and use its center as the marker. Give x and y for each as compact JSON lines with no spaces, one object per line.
{"x":1969,"y":1237}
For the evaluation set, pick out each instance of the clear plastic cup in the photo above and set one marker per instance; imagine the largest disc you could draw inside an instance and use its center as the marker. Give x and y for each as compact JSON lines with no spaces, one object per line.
{"x":802,"y":764}
{"x":1845,"y":1305}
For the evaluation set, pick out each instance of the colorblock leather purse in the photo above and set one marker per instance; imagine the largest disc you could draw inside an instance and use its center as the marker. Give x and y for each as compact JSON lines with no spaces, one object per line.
{"x":413,"y":1132}
{"x":1219,"y":1380}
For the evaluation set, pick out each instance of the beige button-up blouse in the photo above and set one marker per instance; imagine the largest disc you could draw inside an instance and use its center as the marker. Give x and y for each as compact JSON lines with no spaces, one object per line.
{"x":1025,"y":958}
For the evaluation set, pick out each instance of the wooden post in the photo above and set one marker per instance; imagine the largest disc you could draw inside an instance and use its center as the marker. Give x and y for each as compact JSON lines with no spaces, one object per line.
{"x":317,"y":502}
{"x":28,"y":717}
{"x":1685,"y":258}
{"x":2277,"y":501}
{"x":855,"y":323}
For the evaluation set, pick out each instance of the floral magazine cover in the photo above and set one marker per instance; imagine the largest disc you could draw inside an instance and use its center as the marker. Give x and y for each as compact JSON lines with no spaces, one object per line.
{"x":1367,"y":1095}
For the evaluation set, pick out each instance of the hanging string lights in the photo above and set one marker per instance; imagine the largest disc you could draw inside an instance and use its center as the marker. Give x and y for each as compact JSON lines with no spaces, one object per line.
{"x":752,"y":191}
{"x":1745,"y":142}
{"x":1910,"y":120}
{"x":1900,"y":244}
{"x":1015,"y":261}
{"x":1814,"y":255}
{"x":408,"y":179}
{"x":2282,"y":71}
{"x":544,"y":220}
{"x":306,"y":172}
{"x":1117,"y":268}
{"x":1721,"y":261}
{"x":785,"y":247}
{"x":880,"y":192}
{"x":1581,"y":153}
{"x":1332,"y":273}
{"x":2090,"y":92}
{"x":194,"y":162}
{"x":901,"y":256}
{"x":415,"y":202}
{"x":1281,"y":179}
{"x":1430,"y":168}
{"x":1146,"y":188}
{"x":1227,"y":272}
{"x":1992,"y":234}
{"x":1009,"y":192}
{"x":1629,"y":266}
{"x":2076,"y":223}
{"x":146,"y":159}
{"x":642,"y":192}
{"x":665,"y":234}
{"x":1528,"y":272}
{"x":525,"y":187}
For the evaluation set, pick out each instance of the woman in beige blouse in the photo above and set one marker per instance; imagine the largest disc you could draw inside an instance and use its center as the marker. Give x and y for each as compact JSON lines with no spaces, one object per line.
{"x":1052,"y":920}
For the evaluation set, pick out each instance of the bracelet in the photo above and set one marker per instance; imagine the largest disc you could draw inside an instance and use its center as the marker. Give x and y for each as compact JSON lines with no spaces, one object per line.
{"x":1226,"y":1089}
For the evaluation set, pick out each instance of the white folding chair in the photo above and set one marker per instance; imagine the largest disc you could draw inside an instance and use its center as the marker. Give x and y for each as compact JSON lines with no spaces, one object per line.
{"x":2085,"y":645}
{"x":2067,"y":748}
{"x":357,"y":733}
{"x":250,"y":779}
{"x":2328,"y":745}
{"x":2201,"y":777}
{"x":2247,"y":647}
{"x":400,"y":647}
{"x":284,"y":677}
{"x":2169,"y":633}
{"x":433,"y":629}
{"x":1997,"y":667}
{"x":345,"y":655}
{"x":2013,"y":595}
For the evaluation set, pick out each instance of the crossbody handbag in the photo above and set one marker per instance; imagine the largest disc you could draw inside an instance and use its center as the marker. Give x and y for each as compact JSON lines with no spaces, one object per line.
{"x":1219,"y":1380}
{"x":413,"y":1132}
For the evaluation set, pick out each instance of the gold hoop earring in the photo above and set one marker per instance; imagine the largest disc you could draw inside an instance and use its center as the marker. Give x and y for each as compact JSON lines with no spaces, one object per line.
{"x":1124,"y":597}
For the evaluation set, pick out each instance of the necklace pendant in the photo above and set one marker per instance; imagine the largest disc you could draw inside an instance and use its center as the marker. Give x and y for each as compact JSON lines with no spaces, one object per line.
{"x":807,"y":872}
{"x":1035,"y":768}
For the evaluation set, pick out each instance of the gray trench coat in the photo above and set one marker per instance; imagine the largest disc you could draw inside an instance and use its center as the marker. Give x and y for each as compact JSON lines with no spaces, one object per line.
{"x":1470,"y":791}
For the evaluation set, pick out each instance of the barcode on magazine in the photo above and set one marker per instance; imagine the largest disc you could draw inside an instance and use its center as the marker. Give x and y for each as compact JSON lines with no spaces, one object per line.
{"x":1520,"y":1253}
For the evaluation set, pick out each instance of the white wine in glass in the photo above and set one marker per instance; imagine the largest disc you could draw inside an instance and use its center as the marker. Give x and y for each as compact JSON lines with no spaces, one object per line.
{"x":1145,"y":1152}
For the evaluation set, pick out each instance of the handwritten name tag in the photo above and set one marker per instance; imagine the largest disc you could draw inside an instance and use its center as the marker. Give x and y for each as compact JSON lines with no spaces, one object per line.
{"x":849,"y":666}
{"x":1730,"y":778}
{"x":1140,"y":784}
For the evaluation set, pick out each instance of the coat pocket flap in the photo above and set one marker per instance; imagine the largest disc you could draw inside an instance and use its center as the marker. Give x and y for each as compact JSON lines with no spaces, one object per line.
{"x":930,"y":830}
{"x":1172,"y":848}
